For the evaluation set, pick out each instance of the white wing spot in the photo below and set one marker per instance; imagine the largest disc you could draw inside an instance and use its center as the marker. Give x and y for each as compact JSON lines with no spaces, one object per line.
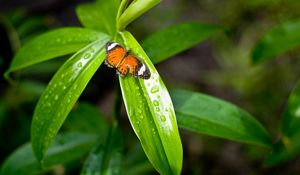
{"x":111,"y":46}
{"x":142,"y":70}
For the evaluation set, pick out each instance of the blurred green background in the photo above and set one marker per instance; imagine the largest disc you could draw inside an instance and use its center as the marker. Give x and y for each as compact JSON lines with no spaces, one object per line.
{"x":220,"y":66}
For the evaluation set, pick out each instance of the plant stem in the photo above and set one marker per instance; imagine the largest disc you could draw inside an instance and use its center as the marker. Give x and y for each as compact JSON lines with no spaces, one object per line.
{"x":120,"y":11}
{"x":117,"y":105}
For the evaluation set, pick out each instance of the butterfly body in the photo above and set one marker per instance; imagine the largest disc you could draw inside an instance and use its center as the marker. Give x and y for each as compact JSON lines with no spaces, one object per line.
{"x":124,"y":62}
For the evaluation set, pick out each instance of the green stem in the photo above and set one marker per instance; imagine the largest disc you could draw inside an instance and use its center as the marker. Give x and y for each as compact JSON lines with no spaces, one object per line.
{"x":120,"y":11}
{"x":117,"y":105}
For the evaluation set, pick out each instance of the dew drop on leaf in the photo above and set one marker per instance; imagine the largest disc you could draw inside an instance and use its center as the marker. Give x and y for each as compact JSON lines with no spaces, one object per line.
{"x":154,"y":89}
{"x":141,"y":117}
{"x":157,"y":109}
{"x":155,"y":103}
{"x":87,"y":56}
{"x":56,"y":97}
{"x":79,"y":64}
{"x":163,"y":118}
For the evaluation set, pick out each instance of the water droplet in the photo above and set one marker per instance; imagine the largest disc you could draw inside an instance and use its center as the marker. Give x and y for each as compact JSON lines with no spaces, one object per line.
{"x":46,"y":96}
{"x":167,"y":110}
{"x":55,"y":85}
{"x":48,"y":104}
{"x":137,"y":122}
{"x":141,"y":117}
{"x":137,"y":88}
{"x":138,"y":93}
{"x":148,"y":84}
{"x":87,"y":56}
{"x":79,"y":64}
{"x":56,"y":97}
{"x":163,"y":118}
{"x":157,"y":109}
{"x":58,"y":40}
{"x":139,"y":111}
{"x":155,"y":103}
{"x":64,"y":87}
{"x":92,"y":50}
{"x":154,"y":89}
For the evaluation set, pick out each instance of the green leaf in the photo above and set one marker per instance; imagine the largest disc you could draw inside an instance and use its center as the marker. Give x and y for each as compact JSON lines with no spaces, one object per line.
{"x":151,"y":114}
{"x":277,"y":41}
{"x":67,"y":147}
{"x":53,"y":44}
{"x":100,"y":15}
{"x":134,"y":10}
{"x":208,"y":115}
{"x":173,"y":40}
{"x":106,"y":157}
{"x":87,"y":118}
{"x":291,"y":115}
{"x":136,"y":162}
{"x":289,"y":145}
{"x":61,"y":94}
{"x":284,"y":150}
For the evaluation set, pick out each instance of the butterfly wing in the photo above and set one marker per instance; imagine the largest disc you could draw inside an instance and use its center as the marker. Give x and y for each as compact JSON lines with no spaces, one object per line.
{"x":114,"y":54}
{"x":135,"y":67}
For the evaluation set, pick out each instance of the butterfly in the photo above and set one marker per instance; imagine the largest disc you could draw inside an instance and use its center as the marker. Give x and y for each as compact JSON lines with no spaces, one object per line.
{"x":121,"y":59}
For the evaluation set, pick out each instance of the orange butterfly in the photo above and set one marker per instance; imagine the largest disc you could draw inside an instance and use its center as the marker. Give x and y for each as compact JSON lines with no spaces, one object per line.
{"x":117,"y":57}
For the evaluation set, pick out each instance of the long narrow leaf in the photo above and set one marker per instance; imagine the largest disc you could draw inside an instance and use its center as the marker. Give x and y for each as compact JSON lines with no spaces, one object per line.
{"x":284,"y":150}
{"x":279,"y":40}
{"x":291,"y":118}
{"x":87,"y":118}
{"x":106,"y":157}
{"x":62,"y":93}
{"x":173,"y":40}
{"x":135,"y":10}
{"x":100,"y":15}
{"x":150,"y":111}
{"x":289,"y":145}
{"x":65,"y":148}
{"x":53,"y":44}
{"x":204,"y":114}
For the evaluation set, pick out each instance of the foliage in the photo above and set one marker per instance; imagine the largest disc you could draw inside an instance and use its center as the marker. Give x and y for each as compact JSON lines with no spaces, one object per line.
{"x":60,"y":135}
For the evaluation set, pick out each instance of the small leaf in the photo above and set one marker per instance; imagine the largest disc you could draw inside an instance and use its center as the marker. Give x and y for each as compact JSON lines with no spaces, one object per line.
{"x":284,"y":150}
{"x":100,"y":15}
{"x":151,"y":114}
{"x":277,"y":41}
{"x":67,"y":147}
{"x":87,"y":118}
{"x":291,"y":116}
{"x":106,"y":157}
{"x":61,"y":94}
{"x":289,"y":145}
{"x":207,"y":115}
{"x":173,"y":40}
{"x":53,"y":44}
{"x":134,"y":10}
